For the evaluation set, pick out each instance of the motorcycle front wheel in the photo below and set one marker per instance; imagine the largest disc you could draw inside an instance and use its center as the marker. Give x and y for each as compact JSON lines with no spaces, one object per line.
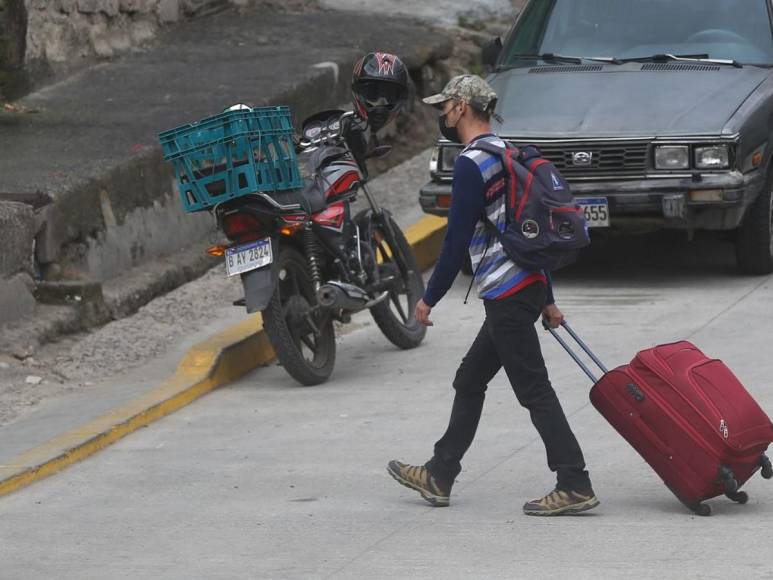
{"x":395,"y":315}
{"x":301,"y":332}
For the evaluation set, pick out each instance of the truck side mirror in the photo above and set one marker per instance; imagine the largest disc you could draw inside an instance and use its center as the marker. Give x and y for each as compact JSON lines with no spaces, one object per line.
{"x":491,"y":51}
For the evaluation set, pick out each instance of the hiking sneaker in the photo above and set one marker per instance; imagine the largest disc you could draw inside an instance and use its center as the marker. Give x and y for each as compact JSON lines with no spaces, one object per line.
{"x":559,"y":502}
{"x":419,"y":478}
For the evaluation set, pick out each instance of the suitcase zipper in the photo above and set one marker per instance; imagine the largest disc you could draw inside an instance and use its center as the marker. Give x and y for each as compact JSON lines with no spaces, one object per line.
{"x":724,"y":426}
{"x":724,"y":431}
{"x":702,"y":393}
{"x":685,"y":425}
{"x":662,"y":446}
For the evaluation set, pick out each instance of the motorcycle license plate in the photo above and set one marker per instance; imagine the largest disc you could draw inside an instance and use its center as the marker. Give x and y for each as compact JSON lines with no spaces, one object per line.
{"x":248,"y":257}
{"x":596,"y":211}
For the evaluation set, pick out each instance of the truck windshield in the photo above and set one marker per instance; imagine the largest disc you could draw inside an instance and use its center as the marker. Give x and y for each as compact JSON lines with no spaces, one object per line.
{"x":721,"y":29}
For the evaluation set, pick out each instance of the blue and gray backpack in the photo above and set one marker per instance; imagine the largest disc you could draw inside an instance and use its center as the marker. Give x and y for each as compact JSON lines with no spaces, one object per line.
{"x":546,"y":227}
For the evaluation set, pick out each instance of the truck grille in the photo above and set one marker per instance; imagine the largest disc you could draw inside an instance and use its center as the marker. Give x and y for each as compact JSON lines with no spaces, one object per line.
{"x":606,"y":159}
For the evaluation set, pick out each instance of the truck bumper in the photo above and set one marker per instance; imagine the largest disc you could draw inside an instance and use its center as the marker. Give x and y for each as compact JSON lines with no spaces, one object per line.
{"x":674,"y":202}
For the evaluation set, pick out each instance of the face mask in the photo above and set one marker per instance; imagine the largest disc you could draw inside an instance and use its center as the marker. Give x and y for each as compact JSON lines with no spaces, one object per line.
{"x":450,"y":133}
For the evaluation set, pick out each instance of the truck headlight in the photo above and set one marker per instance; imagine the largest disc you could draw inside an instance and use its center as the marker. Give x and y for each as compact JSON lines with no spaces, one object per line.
{"x":433,"y":161}
{"x":672,"y":157}
{"x":448,"y":157}
{"x":712,"y":157}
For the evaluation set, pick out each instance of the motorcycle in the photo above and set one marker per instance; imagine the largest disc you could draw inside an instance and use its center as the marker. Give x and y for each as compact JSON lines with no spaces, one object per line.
{"x":305,"y":261}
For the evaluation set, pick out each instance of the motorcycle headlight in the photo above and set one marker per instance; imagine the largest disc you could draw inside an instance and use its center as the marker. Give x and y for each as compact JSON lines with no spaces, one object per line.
{"x":448,"y":157}
{"x":672,"y":157}
{"x":712,"y":157}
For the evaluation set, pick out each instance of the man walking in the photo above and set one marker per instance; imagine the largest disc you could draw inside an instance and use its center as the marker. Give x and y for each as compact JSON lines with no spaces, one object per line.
{"x":513,"y":298}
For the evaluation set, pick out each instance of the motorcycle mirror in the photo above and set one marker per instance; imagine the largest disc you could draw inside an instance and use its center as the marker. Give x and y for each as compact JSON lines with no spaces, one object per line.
{"x":491,"y":51}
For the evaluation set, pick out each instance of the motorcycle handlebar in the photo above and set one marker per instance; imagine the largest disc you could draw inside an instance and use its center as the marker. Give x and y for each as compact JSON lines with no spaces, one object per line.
{"x":338,"y":136}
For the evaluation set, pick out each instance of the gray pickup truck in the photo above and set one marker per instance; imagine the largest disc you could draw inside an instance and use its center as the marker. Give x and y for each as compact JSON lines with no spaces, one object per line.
{"x":658,"y":113}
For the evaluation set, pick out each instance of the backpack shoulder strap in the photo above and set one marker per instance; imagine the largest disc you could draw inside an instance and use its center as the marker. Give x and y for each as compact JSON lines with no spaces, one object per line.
{"x":508,"y":156}
{"x":487,"y":146}
{"x":531,"y":164}
{"x":509,"y":150}
{"x":529,"y":153}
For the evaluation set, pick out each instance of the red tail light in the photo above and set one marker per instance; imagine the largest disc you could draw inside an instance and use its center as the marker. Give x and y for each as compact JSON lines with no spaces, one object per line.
{"x":238,"y":226}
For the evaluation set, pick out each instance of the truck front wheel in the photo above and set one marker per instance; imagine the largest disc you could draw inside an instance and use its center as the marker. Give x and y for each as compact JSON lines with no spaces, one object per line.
{"x":754,"y":246}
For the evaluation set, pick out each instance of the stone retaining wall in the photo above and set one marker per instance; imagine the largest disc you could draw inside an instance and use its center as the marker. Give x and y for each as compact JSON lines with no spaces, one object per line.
{"x":17,"y":231}
{"x":60,"y":31}
{"x":114,"y":212}
{"x":38,"y":37}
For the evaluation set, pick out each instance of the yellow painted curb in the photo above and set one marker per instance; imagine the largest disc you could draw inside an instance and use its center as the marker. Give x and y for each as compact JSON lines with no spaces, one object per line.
{"x":215,"y":362}
{"x":426,"y":237}
{"x":208,"y":365}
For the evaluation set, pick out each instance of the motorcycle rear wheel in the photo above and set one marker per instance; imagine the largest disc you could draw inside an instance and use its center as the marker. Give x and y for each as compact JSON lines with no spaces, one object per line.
{"x":307,"y":353}
{"x":395,"y":315}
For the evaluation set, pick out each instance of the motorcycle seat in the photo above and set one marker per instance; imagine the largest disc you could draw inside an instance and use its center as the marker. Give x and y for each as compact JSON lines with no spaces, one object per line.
{"x":315,"y":196}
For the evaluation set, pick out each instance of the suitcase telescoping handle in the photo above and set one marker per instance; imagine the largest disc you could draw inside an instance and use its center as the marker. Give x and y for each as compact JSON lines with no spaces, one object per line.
{"x":573,"y":354}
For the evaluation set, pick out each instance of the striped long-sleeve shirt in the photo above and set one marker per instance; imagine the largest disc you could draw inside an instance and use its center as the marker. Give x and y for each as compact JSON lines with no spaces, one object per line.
{"x":478,"y":189}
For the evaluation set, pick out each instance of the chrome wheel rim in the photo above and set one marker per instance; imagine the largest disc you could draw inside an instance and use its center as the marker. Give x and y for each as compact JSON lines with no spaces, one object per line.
{"x":403,"y":296}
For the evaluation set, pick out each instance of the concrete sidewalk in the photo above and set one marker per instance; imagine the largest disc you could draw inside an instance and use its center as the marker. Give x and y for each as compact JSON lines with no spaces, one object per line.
{"x":90,"y":142}
{"x":267,"y":480}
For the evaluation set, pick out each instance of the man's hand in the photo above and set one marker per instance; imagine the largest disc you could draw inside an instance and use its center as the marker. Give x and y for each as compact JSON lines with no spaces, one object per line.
{"x":422,"y":313}
{"x":552,"y":315}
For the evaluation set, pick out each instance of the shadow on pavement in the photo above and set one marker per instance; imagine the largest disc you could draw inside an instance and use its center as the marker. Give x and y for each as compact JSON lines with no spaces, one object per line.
{"x":652,"y":257}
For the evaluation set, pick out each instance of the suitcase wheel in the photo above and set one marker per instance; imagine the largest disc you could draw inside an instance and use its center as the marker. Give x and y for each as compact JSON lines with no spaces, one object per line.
{"x":700,"y":509}
{"x":728,"y":480}
{"x":767,"y":469}
{"x":739,"y":497}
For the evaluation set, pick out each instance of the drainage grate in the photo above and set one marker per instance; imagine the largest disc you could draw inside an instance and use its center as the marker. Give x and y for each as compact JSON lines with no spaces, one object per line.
{"x":679,"y":67}
{"x":566,"y":69}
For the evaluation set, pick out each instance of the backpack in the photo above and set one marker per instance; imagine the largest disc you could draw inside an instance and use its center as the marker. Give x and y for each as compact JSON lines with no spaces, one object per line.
{"x":546,"y":226}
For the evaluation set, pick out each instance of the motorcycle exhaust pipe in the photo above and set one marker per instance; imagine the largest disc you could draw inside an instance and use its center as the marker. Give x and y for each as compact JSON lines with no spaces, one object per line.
{"x":342,"y":296}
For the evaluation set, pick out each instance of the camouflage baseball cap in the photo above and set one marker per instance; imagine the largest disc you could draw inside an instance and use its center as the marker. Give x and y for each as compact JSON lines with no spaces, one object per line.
{"x":469,"y":88}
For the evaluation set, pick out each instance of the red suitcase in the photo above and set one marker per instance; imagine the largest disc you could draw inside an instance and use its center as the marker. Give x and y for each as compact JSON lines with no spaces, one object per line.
{"x":688,"y":416}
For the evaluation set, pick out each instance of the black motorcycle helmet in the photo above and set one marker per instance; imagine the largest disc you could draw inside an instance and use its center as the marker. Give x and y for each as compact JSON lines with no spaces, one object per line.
{"x":380,"y":88}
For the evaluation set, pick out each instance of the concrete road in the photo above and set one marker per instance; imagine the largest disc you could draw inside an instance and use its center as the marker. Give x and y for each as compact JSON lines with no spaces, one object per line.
{"x":265,"y":479}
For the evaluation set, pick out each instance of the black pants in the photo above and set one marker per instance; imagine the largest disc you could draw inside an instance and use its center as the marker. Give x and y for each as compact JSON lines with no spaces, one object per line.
{"x":508,"y":338}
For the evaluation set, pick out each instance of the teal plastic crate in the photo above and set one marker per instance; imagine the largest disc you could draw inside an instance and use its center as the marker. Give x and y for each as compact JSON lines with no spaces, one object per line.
{"x":232,"y":154}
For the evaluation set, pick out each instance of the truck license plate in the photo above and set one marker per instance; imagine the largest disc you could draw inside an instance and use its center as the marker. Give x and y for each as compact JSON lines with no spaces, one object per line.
{"x":248,"y":257}
{"x":596,"y":211}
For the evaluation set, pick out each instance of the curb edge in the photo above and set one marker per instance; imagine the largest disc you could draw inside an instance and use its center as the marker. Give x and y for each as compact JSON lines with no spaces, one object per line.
{"x":208,"y":365}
